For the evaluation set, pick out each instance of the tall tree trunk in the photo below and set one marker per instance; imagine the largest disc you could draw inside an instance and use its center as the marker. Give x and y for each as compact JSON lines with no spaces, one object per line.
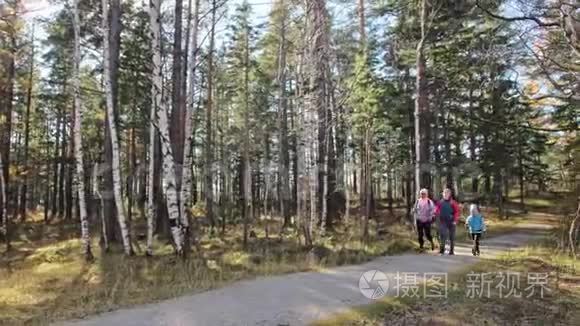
{"x":316,"y":98}
{"x":100,"y":203}
{"x":367,"y":182}
{"x":449,"y":183}
{"x":133,"y":176}
{"x":151,"y":176}
{"x":325,"y":172}
{"x":47,"y":179}
{"x":390,"y":180}
{"x":436,"y":139}
{"x":283,"y":153}
{"x":3,"y":207}
{"x":7,"y":97}
{"x":178,"y":110}
{"x":209,"y":202}
{"x":27,"y":131}
{"x":70,"y":159}
{"x":78,"y":148}
{"x":62,"y":167}
{"x":159,"y":107}
{"x":116,"y":168}
{"x":246,"y":154}
{"x":186,"y":201}
{"x":422,"y":174}
{"x":362,"y":24}
{"x":114,"y":42}
{"x":302,"y":191}
{"x":472,"y":143}
{"x":294,"y":147}
{"x":521,"y":176}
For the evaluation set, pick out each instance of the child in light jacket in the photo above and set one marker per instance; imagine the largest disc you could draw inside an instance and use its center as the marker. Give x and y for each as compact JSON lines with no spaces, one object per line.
{"x":476,"y":226}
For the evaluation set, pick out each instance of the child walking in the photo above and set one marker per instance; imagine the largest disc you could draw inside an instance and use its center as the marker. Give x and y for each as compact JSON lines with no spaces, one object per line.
{"x":476,"y":225}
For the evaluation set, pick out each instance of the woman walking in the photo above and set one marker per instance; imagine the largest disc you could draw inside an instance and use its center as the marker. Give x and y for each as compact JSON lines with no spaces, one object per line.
{"x":423,"y":211}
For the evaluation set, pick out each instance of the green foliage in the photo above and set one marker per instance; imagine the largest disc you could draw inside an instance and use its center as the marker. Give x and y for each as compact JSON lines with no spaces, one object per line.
{"x":365,"y":99}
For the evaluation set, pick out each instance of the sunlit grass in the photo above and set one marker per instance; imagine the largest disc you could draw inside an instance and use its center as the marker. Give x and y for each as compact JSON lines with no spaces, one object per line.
{"x":45,"y":278}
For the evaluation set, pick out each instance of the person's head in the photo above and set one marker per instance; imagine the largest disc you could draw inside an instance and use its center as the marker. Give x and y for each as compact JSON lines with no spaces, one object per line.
{"x":447,"y":194}
{"x":423,"y":193}
{"x":473,"y":210}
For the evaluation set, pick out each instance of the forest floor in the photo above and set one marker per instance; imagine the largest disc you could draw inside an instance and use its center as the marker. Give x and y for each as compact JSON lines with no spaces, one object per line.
{"x":302,"y":298}
{"x":44,"y":280}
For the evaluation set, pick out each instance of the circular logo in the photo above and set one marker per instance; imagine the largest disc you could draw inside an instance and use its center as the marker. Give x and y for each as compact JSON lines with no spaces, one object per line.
{"x":373,"y":284}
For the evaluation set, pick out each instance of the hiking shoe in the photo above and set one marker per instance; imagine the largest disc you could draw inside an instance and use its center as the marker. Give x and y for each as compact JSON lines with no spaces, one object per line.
{"x":451,"y":253}
{"x":474,"y":252}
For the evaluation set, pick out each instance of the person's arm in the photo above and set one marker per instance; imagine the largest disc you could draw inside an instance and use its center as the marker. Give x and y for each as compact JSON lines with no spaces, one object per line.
{"x":456,"y":211}
{"x":437,"y":209}
{"x":467,"y":221}
{"x":432,"y":209}
{"x":414,"y":209}
{"x":483,"y":227}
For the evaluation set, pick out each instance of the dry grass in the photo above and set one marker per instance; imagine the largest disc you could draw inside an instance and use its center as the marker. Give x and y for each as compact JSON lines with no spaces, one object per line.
{"x":45,"y":279}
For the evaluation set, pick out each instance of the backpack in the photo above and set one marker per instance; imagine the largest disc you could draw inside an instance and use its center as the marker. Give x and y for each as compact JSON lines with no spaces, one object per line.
{"x":417,"y":213}
{"x":447,"y":217}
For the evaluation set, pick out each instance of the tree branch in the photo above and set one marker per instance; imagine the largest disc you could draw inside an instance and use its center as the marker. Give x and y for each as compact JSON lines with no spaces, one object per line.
{"x":536,"y":20}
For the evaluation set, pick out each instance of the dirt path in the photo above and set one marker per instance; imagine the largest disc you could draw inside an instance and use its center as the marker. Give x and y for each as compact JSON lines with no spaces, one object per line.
{"x":298,"y":299}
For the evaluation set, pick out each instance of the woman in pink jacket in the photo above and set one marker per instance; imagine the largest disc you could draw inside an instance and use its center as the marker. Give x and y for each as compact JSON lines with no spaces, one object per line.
{"x":423,"y":210}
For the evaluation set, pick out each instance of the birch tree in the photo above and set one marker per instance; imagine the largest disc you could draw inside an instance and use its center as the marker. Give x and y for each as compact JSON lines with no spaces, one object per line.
{"x":3,"y":207}
{"x":161,"y":121}
{"x":78,"y":147}
{"x":186,"y":177}
{"x":116,"y":167}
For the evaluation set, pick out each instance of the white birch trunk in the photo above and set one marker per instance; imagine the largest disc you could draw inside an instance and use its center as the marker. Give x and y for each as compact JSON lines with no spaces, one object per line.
{"x":160,"y":115}
{"x":150,"y":185}
{"x":4,"y":226}
{"x":185,"y":202}
{"x":116,"y":168}
{"x":78,"y":145}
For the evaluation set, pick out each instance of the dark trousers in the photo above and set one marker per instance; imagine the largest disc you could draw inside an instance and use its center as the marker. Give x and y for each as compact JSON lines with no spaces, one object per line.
{"x":475,"y":237}
{"x":446,"y":231}
{"x":424,"y":228}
